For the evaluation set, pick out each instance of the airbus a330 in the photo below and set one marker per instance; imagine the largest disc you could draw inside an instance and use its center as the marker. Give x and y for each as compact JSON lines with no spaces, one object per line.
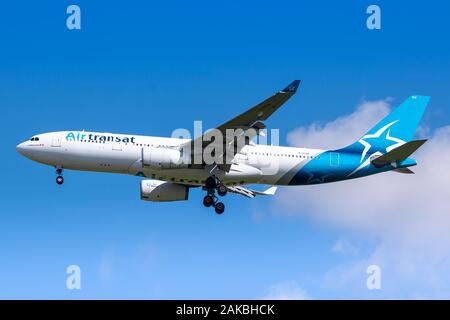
{"x":173,"y":166}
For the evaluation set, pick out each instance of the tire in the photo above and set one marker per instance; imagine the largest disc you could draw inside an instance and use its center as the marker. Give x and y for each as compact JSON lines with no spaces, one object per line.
{"x":220,"y":207}
{"x":222,"y":190}
{"x":208,"y":201}
{"x":210,"y":183}
{"x":59,"y":180}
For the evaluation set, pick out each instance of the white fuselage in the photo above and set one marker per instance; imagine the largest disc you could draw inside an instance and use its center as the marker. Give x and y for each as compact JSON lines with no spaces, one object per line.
{"x":119,"y":153}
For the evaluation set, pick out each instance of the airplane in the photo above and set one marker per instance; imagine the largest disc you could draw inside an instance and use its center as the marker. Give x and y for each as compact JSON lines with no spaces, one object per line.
{"x":170,"y":169}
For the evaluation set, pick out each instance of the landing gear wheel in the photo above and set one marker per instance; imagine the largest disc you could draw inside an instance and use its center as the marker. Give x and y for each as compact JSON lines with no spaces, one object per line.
{"x":59,"y":180}
{"x":219,"y":207}
{"x":210,"y":183}
{"x":208,"y":201}
{"x":222,"y":190}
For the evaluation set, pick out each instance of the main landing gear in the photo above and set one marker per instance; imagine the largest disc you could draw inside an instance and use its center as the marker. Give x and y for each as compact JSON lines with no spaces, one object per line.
{"x":59,"y":178}
{"x":210,"y":200}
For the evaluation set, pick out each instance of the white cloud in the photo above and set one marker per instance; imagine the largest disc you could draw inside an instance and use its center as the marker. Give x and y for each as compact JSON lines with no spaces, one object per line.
{"x":285,"y":291}
{"x":345,"y":247}
{"x":343,"y":130}
{"x":409,"y":215}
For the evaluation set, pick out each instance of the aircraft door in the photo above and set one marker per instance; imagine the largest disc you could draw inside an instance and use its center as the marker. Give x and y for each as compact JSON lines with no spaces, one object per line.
{"x":334,"y":159}
{"x":56,"y":142}
{"x":117,"y":146}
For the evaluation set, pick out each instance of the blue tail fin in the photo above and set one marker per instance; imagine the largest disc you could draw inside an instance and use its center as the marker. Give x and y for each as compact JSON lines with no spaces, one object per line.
{"x":395,"y":129}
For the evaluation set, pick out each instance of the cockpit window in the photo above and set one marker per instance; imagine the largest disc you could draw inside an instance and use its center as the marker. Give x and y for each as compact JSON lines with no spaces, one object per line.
{"x":34,"y":139}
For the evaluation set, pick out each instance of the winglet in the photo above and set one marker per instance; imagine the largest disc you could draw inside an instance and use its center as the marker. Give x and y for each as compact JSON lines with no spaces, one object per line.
{"x":292,"y":88}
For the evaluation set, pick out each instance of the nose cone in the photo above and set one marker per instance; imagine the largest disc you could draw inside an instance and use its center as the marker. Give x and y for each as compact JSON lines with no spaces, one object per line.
{"x":21,"y":148}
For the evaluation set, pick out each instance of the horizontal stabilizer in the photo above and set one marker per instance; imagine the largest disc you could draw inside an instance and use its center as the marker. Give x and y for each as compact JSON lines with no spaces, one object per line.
{"x":404,"y":170}
{"x":400,"y":153}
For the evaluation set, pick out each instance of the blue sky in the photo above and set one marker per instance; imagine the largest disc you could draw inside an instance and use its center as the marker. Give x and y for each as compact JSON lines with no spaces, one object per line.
{"x":147,"y":67}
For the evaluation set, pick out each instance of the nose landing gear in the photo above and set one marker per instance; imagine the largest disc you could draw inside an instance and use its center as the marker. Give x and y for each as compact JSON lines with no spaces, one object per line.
{"x":59,"y":178}
{"x":210,"y":200}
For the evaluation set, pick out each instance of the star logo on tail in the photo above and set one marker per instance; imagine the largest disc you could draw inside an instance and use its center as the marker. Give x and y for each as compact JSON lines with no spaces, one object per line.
{"x":379,"y":146}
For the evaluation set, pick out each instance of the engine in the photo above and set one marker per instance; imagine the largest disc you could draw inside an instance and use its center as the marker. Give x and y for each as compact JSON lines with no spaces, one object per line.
{"x":156,"y":190}
{"x":162,"y":158}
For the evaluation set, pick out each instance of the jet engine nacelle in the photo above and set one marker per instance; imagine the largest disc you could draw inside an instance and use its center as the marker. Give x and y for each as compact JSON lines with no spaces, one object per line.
{"x":162,"y":158}
{"x":156,"y":190}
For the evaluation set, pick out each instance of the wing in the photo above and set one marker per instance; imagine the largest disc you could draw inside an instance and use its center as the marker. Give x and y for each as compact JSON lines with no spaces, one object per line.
{"x":244,"y":128}
{"x":252,"y":193}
